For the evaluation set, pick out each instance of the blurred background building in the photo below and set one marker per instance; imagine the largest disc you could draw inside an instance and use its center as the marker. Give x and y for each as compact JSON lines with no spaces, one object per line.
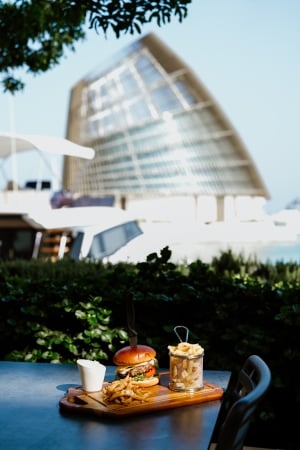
{"x":164,"y":149}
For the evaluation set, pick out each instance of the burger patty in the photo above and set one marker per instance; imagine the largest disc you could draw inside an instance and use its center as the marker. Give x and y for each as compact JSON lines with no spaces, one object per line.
{"x":139,"y":370}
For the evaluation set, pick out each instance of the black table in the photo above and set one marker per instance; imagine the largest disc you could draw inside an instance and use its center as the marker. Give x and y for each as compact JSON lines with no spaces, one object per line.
{"x":30,"y":417}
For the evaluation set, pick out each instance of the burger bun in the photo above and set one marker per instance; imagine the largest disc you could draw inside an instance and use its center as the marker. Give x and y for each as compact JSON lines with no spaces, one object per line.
{"x":133,"y":355}
{"x":147,"y":382}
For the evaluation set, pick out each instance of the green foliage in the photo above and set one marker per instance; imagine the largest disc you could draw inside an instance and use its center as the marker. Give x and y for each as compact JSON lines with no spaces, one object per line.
{"x":233,"y":307}
{"x":129,"y":16}
{"x":36,"y":34}
{"x":48,"y":314}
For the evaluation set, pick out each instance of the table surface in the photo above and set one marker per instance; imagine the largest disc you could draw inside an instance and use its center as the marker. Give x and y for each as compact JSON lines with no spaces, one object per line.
{"x":30,"y":416}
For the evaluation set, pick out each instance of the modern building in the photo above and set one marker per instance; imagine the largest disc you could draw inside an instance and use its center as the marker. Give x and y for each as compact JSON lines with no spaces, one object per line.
{"x":163,"y":147}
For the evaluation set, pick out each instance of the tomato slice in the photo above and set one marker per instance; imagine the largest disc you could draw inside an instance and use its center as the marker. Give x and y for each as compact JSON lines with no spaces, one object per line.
{"x":150,"y":372}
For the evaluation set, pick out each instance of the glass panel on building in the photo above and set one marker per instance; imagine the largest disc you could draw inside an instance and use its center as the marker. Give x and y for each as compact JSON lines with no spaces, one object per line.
{"x":164,"y":99}
{"x":148,"y":72}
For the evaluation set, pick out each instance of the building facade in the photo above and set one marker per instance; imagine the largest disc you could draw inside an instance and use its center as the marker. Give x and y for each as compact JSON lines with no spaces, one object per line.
{"x":163,"y":147}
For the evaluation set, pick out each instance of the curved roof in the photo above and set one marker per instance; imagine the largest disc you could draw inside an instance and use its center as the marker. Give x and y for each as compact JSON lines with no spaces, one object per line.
{"x":10,"y":142}
{"x":155,"y":129}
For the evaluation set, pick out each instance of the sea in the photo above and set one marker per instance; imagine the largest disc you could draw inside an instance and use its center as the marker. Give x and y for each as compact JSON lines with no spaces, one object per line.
{"x":271,"y":252}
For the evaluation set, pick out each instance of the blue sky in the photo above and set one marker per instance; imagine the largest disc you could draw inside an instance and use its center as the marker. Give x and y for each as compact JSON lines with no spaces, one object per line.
{"x":247,"y":54}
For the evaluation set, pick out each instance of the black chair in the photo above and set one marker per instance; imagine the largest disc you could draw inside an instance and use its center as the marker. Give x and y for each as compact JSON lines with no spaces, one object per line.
{"x":245,"y":391}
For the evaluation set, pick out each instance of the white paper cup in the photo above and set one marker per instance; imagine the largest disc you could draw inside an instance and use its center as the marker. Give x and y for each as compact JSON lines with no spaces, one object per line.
{"x":92,"y":374}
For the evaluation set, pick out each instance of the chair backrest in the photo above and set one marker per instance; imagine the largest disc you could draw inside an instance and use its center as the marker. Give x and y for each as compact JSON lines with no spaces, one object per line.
{"x":245,"y":390}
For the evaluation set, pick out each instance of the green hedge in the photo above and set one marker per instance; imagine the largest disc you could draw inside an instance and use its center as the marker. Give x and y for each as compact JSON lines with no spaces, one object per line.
{"x":58,"y":312}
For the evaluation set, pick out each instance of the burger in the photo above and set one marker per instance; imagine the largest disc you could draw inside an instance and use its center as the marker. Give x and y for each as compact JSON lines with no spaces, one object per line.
{"x":139,"y":363}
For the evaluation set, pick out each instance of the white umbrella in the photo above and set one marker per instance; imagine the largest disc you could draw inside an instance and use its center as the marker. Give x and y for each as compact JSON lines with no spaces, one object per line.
{"x":10,"y":142}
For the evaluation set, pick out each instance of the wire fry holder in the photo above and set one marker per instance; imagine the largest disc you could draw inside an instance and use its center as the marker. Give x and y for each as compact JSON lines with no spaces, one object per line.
{"x":186,"y":371}
{"x":186,"y":333}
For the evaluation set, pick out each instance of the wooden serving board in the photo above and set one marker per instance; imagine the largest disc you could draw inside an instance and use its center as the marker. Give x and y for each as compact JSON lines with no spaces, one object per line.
{"x":161,"y":398}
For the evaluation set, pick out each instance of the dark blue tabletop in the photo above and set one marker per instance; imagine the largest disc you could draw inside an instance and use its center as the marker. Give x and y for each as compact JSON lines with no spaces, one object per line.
{"x":30,"y":417}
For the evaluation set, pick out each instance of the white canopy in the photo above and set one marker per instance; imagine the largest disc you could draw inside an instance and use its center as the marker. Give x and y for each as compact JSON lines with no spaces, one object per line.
{"x":10,"y":143}
{"x":100,"y":217}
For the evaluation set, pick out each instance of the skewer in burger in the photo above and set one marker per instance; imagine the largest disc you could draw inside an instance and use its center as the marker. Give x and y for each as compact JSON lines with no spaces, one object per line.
{"x":139,"y":363}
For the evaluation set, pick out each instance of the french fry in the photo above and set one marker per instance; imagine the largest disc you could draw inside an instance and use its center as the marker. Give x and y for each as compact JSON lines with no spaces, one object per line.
{"x":124,"y":392}
{"x":186,"y":349}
